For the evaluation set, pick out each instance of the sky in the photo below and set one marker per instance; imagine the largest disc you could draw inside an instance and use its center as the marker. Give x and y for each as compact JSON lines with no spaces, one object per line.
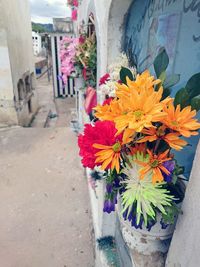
{"x":42,"y":11}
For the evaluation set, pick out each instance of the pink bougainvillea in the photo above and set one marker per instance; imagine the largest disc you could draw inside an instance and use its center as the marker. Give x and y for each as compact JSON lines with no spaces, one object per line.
{"x":67,"y":56}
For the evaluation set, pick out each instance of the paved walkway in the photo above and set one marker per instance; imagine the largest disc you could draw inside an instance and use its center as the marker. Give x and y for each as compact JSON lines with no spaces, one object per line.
{"x":45,"y":218}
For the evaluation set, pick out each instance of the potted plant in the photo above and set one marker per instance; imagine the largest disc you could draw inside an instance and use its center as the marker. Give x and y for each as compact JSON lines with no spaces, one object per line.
{"x":132,"y":141}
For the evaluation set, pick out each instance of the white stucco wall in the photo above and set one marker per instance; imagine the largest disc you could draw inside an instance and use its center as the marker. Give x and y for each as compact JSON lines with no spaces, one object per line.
{"x":184,"y":249}
{"x":17,"y":61}
{"x":109,"y":17}
{"x":7,"y":108}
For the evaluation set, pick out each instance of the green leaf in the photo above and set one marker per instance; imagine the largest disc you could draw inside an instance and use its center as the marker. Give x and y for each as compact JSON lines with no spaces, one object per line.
{"x":161,"y":62}
{"x":193,"y":85}
{"x":163,"y":76}
{"x":166,"y":93}
{"x":171,"y":214}
{"x":182,"y":97}
{"x":124,"y":72}
{"x":195,"y":103}
{"x":171,"y":80}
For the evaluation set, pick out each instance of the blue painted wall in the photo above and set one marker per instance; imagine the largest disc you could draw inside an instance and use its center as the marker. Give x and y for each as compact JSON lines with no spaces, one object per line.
{"x":172,"y":23}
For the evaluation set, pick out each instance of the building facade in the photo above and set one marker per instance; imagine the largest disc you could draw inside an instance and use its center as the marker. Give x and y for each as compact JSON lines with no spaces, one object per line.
{"x":37,"y":43}
{"x":18,"y":97}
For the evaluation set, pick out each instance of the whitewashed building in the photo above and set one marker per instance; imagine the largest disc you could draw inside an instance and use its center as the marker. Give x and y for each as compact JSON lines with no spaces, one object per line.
{"x":18,"y":97}
{"x":37,"y":43}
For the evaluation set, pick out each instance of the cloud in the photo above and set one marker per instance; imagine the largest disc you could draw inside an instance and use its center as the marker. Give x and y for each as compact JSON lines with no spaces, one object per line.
{"x":43,"y":11}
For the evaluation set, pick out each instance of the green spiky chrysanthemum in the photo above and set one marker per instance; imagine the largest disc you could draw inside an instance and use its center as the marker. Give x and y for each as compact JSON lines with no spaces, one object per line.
{"x":146,"y":196}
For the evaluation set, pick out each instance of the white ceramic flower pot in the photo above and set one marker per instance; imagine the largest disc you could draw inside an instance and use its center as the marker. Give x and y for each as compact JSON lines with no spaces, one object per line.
{"x":147,"y":249}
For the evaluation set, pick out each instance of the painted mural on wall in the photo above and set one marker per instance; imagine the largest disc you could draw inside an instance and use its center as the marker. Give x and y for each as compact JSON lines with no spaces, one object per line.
{"x":175,"y":25}
{"x":163,"y":32}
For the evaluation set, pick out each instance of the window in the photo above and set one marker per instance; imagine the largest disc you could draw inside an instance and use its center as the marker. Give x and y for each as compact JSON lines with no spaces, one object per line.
{"x":29,"y":106}
{"x":20,"y":89}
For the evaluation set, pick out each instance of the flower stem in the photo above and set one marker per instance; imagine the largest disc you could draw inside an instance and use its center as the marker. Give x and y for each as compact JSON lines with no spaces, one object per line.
{"x":157,"y":145}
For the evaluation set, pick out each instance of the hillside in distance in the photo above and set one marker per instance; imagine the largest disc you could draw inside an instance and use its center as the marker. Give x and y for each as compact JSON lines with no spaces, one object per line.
{"x":40,"y":27}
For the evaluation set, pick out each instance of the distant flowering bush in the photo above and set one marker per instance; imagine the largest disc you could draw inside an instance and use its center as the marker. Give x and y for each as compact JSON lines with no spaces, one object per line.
{"x":67,"y":56}
{"x":132,"y":141}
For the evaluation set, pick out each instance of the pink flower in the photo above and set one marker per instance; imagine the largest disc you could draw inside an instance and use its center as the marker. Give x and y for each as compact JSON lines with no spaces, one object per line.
{"x":91,"y":100}
{"x":74,"y":14}
{"x":81,"y":39}
{"x":75,"y":3}
{"x":67,"y":55}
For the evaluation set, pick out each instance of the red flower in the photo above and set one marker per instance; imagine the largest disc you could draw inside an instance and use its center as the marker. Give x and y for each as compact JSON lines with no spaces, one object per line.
{"x":103,"y":133}
{"x":104,"y":79}
{"x":107,"y":101}
{"x":81,"y":39}
{"x":85,"y":142}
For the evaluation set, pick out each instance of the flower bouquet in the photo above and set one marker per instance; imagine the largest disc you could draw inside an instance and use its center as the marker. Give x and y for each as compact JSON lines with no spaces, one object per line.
{"x":86,"y":59}
{"x":132,"y":141}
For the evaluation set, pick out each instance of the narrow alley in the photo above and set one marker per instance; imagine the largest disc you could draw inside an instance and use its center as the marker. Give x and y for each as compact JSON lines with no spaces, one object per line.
{"x":45,"y":215}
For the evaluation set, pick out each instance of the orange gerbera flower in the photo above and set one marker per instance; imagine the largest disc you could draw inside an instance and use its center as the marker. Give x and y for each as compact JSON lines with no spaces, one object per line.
{"x":144,"y":83}
{"x":108,"y":156}
{"x":141,"y":110}
{"x":143,"y":104}
{"x":154,"y":134}
{"x":181,"y":121}
{"x":155,"y":165}
{"x":109,"y":111}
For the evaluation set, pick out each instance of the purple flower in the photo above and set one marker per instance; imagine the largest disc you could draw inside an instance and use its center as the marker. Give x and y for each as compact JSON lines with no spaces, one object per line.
{"x":169,"y":165}
{"x":109,"y":205}
{"x":163,"y":225}
{"x":109,"y":188}
{"x":132,"y":218}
